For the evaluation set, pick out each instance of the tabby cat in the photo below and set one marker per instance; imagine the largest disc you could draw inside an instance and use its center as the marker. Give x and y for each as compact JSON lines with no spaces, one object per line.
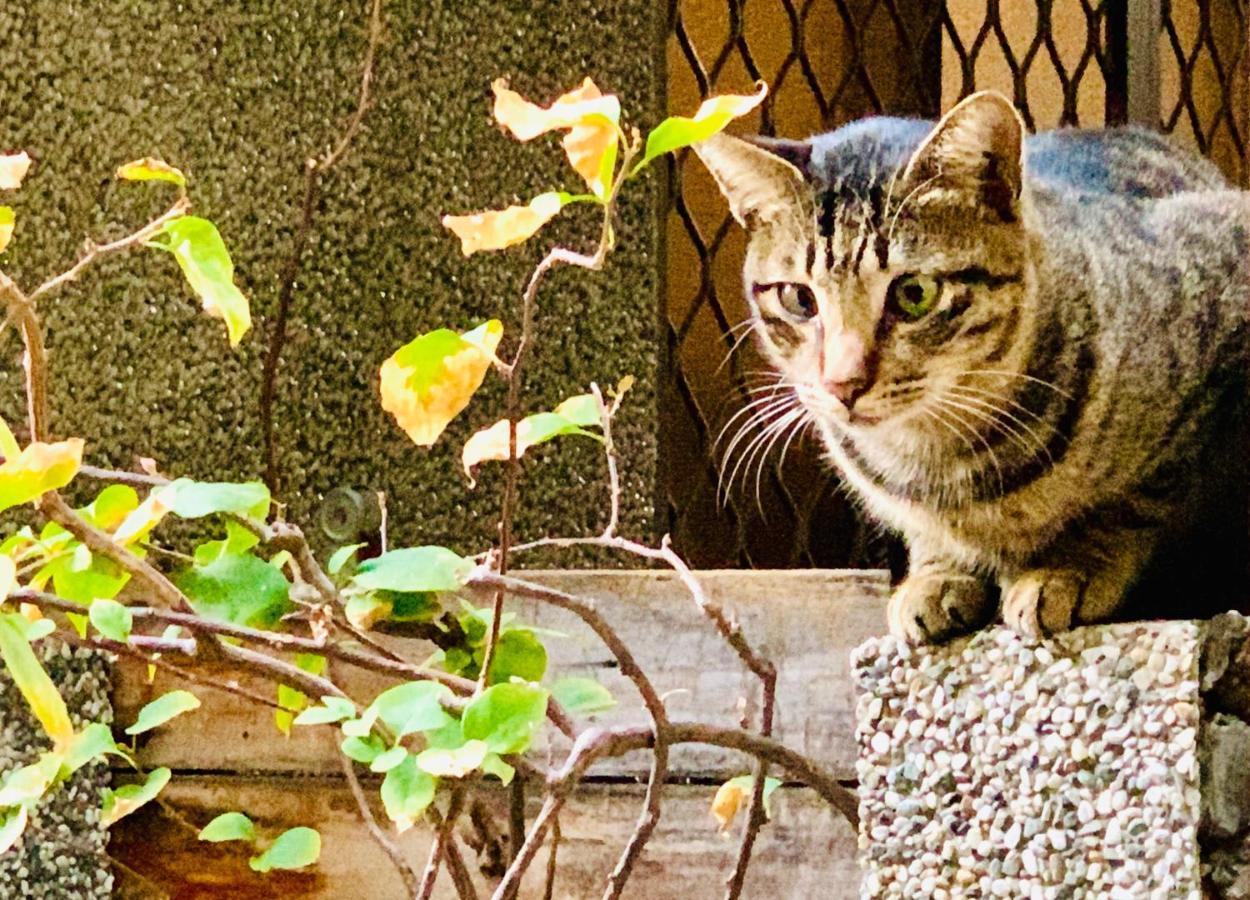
{"x":1027,"y":354}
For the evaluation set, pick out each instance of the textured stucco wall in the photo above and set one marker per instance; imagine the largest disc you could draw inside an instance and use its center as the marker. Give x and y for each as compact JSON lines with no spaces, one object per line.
{"x":238,"y":94}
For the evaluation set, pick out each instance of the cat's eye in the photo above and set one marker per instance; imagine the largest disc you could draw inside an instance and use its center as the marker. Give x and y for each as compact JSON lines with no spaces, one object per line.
{"x":797,"y":299}
{"x":911,"y":297}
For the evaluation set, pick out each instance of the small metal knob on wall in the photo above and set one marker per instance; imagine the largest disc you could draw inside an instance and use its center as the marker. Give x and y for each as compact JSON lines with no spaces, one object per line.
{"x":348,"y":515}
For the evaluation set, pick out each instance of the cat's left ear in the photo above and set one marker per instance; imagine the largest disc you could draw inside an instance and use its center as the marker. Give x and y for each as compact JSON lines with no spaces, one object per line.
{"x":763,"y":184}
{"x":973,"y":155}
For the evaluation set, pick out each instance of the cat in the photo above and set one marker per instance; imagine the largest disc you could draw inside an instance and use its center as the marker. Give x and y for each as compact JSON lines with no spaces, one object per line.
{"x":1026,"y":353}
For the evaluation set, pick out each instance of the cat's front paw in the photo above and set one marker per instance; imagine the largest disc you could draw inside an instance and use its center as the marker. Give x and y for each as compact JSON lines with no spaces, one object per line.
{"x":929,"y":608}
{"x":1042,"y":602}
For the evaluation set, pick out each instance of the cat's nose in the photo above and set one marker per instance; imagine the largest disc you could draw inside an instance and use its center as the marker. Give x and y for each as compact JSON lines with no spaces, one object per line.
{"x":848,"y":391}
{"x":846,"y":371}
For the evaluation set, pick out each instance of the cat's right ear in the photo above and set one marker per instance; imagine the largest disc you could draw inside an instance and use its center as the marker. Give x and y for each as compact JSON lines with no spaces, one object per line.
{"x":761,"y":186}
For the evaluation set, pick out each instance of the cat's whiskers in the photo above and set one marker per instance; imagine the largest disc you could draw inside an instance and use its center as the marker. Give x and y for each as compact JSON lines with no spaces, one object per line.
{"x":783,"y":426}
{"x":962,"y":423}
{"x":1009,"y":374}
{"x":748,"y":325}
{"x":1004,"y":398}
{"x":758,"y":442}
{"x":996,"y":409}
{"x":761,"y":414}
{"x":755,"y":410}
{"x":983,"y":410}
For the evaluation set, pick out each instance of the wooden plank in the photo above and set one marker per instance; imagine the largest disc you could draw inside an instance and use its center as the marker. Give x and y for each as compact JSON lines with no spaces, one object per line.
{"x":807,"y":622}
{"x":806,"y":851}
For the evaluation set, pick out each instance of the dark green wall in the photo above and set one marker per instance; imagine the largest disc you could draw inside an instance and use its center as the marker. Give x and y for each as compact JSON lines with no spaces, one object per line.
{"x":238,"y":94}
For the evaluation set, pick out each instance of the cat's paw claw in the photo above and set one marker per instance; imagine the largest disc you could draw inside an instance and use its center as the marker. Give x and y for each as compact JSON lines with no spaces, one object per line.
{"x":927,"y":609}
{"x":1042,"y":602}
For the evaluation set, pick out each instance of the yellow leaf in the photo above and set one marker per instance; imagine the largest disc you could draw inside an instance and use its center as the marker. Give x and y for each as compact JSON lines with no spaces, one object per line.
{"x":146,"y":516}
{"x":38,"y":469}
{"x":151,"y":169}
{"x":8,"y":443}
{"x":431,"y":379}
{"x":728,"y":800}
{"x":13,"y":169}
{"x":6,"y":226}
{"x":527,"y":121}
{"x":573,"y":416}
{"x":589,"y":117}
{"x":8,"y":581}
{"x":28,"y":611}
{"x":499,"y":228}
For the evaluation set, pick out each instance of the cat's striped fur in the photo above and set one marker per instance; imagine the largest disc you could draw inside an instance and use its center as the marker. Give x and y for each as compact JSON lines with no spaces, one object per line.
{"x":1064,"y":420}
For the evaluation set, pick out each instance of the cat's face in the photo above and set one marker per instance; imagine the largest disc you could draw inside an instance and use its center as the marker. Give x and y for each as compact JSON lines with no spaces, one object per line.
{"x":886,"y":270}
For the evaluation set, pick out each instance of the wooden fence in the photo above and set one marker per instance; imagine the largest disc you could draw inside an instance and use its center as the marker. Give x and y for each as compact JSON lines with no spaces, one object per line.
{"x":228,"y":755}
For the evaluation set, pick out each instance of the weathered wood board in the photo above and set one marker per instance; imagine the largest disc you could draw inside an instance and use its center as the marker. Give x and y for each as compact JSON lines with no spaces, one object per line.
{"x":807,"y":851}
{"x":805,"y":621}
{"x":229,"y":755}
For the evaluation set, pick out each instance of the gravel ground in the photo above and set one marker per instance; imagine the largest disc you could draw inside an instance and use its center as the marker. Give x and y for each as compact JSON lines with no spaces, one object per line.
{"x":994,"y":766}
{"x":62,"y":855}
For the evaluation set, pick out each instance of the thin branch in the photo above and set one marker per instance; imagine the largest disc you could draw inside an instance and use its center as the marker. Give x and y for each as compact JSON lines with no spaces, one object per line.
{"x":95,"y":251}
{"x":314,"y":169}
{"x":550,"y":885}
{"x":443,"y":836}
{"x":485,"y":579}
{"x":513,"y":372}
{"x":380,"y":837}
{"x":101,"y":544}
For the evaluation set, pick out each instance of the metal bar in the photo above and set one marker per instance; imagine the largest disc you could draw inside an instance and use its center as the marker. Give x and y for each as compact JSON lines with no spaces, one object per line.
{"x":1144,"y":21}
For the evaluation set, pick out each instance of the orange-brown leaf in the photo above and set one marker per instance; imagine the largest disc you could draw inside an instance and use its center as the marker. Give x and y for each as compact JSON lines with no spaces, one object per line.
{"x":499,"y":228}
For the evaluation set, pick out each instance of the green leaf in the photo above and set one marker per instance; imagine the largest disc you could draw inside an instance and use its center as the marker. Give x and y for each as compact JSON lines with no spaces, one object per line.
{"x":736,"y":792}
{"x":415,"y":706}
{"x":206,"y":263}
{"x":573,"y":416}
{"x":125,"y":800}
{"x":111,"y":506}
{"x":419,"y":569}
{"x":406,"y":793}
{"x":428,"y":381}
{"x":8,"y":444}
{"x":295,"y":848}
{"x":505,"y":716}
{"x":340,"y":557}
{"x":714,"y":114}
{"x":26,"y":785}
{"x":37,"y":688}
{"x":244,"y":589}
{"x":519,"y":654}
{"x":493,"y":765}
{"x":190,"y":499}
{"x":151,"y":169}
{"x":94,"y":742}
{"x":292,"y":700}
{"x":111,"y":619}
{"x":12,"y":826}
{"x":238,"y":541}
{"x":38,"y":469}
{"x":582,"y":695}
{"x":162,"y":709}
{"x":332,"y":710}
{"x":362,"y":749}
{"x":388,"y":760}
{"x":231,"y":826}
{"x":452,"y":763}
{"x":7,"y":222}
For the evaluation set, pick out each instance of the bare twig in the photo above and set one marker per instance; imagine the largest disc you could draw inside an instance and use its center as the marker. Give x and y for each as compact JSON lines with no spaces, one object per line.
{"x":484,"y":579}
{"x":555,"y":257}
{"x":314,"y":170}
{"x":380,"y":837}
{"x":550,"y":885}
{"x":95,"y":251}
{"x":443,"y":836}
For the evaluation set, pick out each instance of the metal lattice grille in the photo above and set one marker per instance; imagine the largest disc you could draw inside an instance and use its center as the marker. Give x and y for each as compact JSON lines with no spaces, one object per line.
{"x":1064,"y":62}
